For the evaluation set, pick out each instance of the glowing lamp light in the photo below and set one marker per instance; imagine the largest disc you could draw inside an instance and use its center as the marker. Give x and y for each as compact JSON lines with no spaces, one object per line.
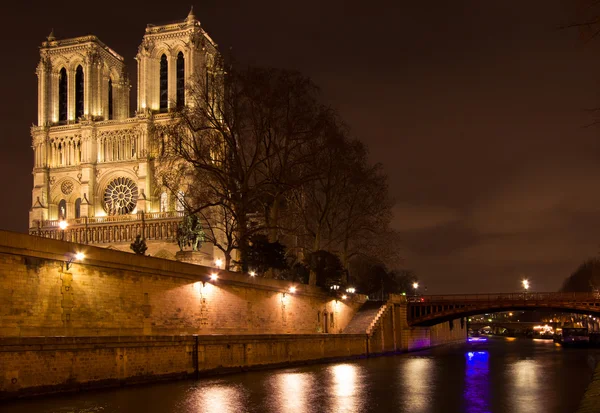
{"x":252,"y":274}
{"x":218,"y":263}
{"x":344,"y":297}
{"x":415,"y":285}
{"x":214,"y":276}
{"x":292,"y":290}
{"x":525,"y":284}
{"x":74,"y":257}
{"x":351,"y":290}
{"x":63,"y":225}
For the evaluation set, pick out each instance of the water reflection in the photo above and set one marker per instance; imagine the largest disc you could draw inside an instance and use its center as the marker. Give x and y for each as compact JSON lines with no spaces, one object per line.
{"x":524,"y":376}
{"x":518,"y":376}
{"x":477,"y":393}
{"x":217,"y":398}
{"x":347,"y":389}
{"x":417,"y":385}
{"x":291,"y":392}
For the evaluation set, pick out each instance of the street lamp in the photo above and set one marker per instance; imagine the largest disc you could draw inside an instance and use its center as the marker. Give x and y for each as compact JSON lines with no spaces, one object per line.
{"x":63,"y":225}
{"x":525,"y":283}
{"x":415,"y":286}
{"x":79,"y":256}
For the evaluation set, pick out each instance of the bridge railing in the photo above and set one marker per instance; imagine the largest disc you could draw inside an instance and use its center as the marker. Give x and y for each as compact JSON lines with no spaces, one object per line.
{"x":533,"y":296}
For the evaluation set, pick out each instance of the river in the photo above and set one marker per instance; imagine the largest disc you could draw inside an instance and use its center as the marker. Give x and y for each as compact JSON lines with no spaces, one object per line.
{"x":504,"y":375}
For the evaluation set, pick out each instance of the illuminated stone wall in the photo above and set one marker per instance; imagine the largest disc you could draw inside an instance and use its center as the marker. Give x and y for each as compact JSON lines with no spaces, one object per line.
{"x":114,"y":293}
{"x":392,"y":333}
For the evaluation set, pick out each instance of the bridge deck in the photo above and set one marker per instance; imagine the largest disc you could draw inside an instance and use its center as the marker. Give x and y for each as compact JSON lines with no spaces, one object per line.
{"x":432,"y":309}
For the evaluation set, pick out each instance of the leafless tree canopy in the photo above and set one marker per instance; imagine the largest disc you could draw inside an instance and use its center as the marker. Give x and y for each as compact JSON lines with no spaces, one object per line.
{"x":256,"y":151}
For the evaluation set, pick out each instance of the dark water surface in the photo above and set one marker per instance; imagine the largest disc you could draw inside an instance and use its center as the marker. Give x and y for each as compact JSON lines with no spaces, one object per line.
{"x":505,"y":375}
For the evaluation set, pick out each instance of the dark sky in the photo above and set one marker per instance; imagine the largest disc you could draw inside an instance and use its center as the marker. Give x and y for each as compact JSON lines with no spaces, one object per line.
{"x":476,"y":109}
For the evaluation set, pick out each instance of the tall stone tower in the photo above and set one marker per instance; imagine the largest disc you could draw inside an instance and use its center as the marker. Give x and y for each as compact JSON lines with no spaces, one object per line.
{"x":94,"y":163}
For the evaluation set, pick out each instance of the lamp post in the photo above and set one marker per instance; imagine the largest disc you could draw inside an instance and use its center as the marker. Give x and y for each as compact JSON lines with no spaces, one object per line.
{"x":415,"y":286}
{"x":63,"y":225}
{"x":78,"y":256}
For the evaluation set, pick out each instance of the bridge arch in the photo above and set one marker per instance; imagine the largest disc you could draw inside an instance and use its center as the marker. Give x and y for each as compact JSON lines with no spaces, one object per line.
{"x":431,"y":310}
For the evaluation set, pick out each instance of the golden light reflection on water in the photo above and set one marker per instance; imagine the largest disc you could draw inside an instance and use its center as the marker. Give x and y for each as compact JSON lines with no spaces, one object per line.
{"x":347,"y":388}
{"x":525,"y":385}
{"x":219,"y":398}
{"x":417,"y":384}
{"x":291,"y":392}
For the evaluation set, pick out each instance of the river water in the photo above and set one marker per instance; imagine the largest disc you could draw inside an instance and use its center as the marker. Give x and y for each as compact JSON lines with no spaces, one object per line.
{"x":504,"y":375}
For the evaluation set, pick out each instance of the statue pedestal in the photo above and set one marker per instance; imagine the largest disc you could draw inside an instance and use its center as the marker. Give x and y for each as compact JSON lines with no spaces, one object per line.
{"x":194,"y":257}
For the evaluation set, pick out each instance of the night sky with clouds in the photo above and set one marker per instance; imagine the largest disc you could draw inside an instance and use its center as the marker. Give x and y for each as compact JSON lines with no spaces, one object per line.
{"x":477,"y":109}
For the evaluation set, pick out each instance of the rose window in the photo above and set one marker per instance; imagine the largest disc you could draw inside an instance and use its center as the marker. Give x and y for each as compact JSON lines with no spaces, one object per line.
{"x":66,"y":187}
{"x":120,"y":196}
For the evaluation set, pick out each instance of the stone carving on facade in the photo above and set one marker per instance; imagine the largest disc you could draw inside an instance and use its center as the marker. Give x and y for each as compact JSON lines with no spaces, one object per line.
{"x":79,"y":176}
{"x":52,"y":180}
{"x":66,"y":187}
{"x":64,"y":150}
{"x":117,"y":144}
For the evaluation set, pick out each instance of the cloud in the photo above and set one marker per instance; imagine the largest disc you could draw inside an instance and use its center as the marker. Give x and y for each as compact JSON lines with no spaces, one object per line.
{"x":542,"y":200}
{"x":409,"y":217}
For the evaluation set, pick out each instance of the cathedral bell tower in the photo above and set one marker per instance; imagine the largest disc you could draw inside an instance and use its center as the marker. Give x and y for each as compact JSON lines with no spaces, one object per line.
{"x":169,"y":57}
{"x":80,"y":81}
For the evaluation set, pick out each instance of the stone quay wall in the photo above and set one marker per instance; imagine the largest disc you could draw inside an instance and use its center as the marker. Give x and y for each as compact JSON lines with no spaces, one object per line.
{"x":32,"y":365}
{"x":118,"y":318}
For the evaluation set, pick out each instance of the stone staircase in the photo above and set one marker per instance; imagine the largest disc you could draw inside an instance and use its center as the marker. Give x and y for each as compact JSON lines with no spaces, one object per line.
{"x":366,"y":318}
{"x":384,"y":308}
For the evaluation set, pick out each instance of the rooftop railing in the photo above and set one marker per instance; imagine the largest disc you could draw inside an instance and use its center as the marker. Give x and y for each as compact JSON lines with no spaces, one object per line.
{"x":519,"y":296}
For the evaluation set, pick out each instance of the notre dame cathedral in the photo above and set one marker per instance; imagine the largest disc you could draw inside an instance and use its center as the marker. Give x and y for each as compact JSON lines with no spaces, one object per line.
{"x":94,"y":164}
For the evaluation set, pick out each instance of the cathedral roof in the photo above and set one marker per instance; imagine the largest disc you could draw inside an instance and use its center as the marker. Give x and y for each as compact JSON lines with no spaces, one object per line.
{"x":53,"y":43}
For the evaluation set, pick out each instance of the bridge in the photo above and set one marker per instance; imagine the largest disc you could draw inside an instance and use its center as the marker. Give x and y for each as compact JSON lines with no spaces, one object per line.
{"x":428,"y":310}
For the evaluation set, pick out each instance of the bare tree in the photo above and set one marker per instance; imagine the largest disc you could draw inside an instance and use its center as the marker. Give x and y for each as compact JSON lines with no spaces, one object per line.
{"x":234,"y":151}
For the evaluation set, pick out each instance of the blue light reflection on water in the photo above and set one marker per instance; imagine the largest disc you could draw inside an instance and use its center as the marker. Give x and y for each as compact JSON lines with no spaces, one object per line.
{"x":477,"y":386}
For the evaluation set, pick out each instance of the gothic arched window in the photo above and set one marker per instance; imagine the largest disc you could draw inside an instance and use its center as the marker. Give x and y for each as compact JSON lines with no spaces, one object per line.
{"x":110,"y":99}
{"x":164,"y":83}
{"x":62,"y":209}
{"x":62,"y":95}
{"x":180,"y":80}
{"x":78,"y":92}
{"x":78,"y":208}
{"x":164,"y":203}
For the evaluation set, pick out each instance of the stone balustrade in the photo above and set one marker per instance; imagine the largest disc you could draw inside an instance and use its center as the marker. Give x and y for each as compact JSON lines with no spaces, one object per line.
{"x":111,"y":229}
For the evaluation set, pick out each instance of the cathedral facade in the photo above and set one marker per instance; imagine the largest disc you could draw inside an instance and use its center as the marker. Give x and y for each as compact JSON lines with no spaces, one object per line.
{"x":94,"y":164}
